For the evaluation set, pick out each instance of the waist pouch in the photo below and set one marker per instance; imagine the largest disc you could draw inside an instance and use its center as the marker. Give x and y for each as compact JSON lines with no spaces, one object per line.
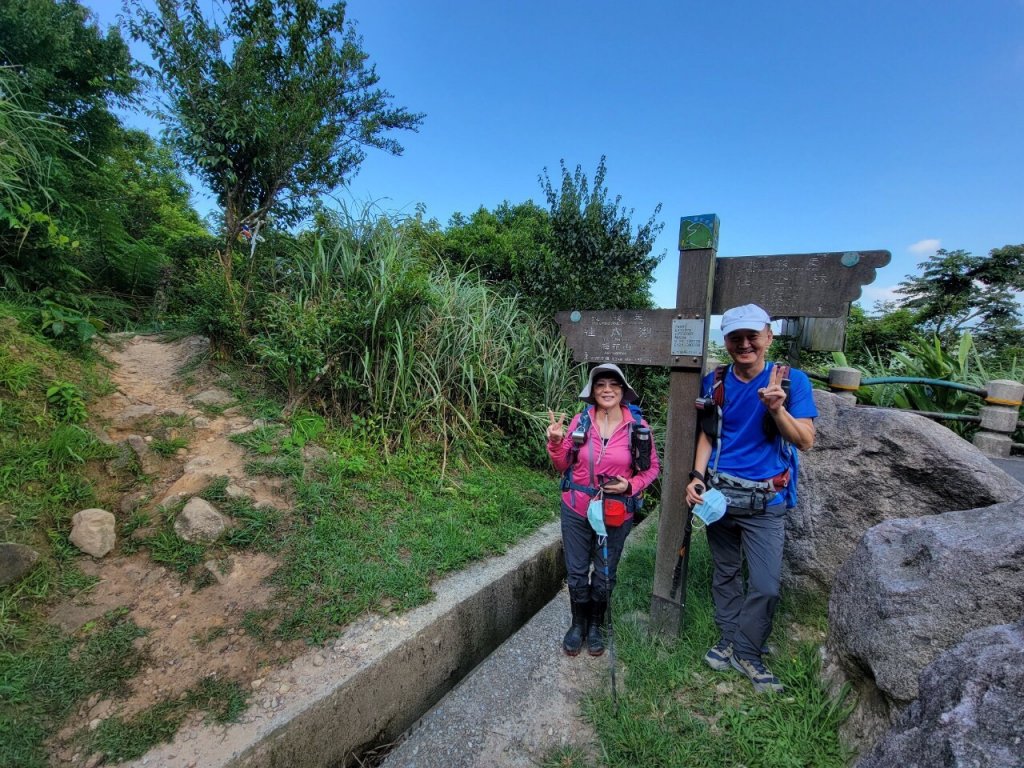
{"x":745,"y":497}
{"x":614,"y":512}
{"x":616,"y":507}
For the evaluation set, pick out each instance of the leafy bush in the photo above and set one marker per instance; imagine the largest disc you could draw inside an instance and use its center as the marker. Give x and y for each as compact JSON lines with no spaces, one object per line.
{"x":67,"y":403}
{"x":927,"y":358}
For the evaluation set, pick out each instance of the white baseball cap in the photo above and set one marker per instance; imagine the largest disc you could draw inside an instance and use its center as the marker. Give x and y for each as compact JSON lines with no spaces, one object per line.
{"x":749,"y":317}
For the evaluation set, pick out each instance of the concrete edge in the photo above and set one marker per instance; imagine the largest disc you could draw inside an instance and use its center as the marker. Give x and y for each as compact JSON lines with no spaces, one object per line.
{"x":382,"y":673}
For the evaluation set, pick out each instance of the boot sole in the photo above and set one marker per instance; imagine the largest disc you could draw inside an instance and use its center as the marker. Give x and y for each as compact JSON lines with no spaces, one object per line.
{"x":567,"y":652}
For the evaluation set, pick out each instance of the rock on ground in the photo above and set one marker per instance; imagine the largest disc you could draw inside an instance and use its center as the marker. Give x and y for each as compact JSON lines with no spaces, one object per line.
{"x":869,"y":465}
{"x":93,"y":531}
{"x":16,"y":560}
{"x":200,"y":521}
{"x":914,"y":588}
{"x":970,"y":708}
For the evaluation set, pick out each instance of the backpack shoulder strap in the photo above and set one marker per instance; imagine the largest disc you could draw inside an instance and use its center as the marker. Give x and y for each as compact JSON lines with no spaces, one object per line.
{"x":718,"y":386}
{"x":574,"y":451}
{"x":585,"y":419}
{"x":785,"y":377}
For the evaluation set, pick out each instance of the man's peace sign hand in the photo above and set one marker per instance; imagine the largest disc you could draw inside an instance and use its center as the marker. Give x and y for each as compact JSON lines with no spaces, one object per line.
{"x":556,"y":430}
{"x":773,"y":396}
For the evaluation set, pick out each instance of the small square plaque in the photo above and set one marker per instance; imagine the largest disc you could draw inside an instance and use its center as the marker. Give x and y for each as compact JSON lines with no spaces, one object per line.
{"x":687,"y":338}
{"x":698,"y":232}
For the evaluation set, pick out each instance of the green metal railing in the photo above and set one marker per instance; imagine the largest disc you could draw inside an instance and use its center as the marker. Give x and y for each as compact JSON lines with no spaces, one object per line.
{"x":1007,"y":396}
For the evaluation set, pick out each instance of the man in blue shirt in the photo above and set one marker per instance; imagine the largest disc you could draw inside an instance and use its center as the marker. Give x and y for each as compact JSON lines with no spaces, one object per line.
{"x":752,"y":464}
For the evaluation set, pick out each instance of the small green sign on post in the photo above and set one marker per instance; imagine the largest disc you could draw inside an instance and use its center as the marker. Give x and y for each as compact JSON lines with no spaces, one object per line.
{"x":697,"y":232}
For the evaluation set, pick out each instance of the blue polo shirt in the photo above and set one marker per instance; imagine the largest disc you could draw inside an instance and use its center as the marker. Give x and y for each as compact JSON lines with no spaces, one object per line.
{"x":746,"y":451}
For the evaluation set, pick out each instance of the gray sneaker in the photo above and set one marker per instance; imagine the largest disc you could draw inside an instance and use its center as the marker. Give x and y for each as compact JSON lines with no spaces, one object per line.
{"x":762,"y":678}
{"x":719,"y":656}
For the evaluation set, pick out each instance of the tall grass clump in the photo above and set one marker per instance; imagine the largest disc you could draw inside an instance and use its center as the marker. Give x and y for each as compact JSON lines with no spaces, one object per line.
{"x":28,"y":203}
{"x":376,"y":331}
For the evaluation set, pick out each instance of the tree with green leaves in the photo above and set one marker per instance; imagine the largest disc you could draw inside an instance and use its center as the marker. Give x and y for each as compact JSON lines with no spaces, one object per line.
{"x":957,"y":290}
{"x":878,"y":335}
{"x":68,"y":68}
{"x":271,"y":103}
{"x":509,"y":246}
{"x":600,"y":262}
{"x":60,"y":78}
{"x":581,"y":253}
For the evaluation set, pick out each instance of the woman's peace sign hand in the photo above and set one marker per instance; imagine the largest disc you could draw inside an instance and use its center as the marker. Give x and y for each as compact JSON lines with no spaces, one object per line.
{"x":556,"y":430}
{"x":773,"y":396}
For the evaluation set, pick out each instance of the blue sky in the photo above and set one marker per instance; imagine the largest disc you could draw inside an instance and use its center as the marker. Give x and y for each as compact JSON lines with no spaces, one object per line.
{"x":805,"y":125}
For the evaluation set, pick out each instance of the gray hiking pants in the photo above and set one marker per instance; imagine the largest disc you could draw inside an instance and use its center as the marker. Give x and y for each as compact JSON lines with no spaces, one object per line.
{"x":580,"y":546}
{"x":744,"y":612}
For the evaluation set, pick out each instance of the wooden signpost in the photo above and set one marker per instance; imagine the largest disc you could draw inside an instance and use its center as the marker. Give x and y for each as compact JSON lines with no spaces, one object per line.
{"x":808,"y":285}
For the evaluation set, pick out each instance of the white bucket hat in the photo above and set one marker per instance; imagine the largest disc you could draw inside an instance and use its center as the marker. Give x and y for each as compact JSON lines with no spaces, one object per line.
{"x":628,"y":393}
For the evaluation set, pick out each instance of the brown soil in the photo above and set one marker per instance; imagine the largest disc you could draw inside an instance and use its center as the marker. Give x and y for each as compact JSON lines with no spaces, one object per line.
{"x":193,"y":633}
{"x":190,"y":633}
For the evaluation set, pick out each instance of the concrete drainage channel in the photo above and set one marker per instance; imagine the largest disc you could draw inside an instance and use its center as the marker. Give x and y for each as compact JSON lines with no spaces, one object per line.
{"x":335,"y":703}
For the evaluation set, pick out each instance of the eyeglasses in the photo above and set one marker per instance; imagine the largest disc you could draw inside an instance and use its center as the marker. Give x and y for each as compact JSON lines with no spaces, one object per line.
{"x":607,"y":384}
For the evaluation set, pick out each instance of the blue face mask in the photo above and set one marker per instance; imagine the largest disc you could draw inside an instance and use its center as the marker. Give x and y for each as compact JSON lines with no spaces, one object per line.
{"x":712,"y":507}
{"x":595,"y":514}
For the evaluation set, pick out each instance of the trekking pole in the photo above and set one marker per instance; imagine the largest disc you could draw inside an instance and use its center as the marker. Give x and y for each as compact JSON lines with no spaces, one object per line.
{"x":611,"y":634}
{"x":679,"y":575}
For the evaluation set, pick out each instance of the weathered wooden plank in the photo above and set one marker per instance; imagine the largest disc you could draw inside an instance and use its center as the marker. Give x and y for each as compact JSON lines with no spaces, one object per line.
{"x":816,"y":334}
{"x":823,"y":334}
{"x":637,"y":337}
{"x":795,"y":285}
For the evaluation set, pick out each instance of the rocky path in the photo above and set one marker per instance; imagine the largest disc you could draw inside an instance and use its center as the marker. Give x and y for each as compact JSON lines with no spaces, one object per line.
{"x":170,"y":389}
{"x":190,"y":634}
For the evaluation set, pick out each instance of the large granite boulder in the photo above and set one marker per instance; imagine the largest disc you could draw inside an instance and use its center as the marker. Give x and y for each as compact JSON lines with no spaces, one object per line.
{"x":911,"y":590}
{"x":869,"y":465}
{"x":970,"y":709}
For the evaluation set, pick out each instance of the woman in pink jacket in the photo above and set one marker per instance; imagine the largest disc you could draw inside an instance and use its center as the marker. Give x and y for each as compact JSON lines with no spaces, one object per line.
{"x":607,"y":456}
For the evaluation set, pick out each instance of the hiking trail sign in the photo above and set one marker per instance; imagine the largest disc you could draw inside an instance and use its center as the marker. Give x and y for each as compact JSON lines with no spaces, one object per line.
{"x":808,"y":285}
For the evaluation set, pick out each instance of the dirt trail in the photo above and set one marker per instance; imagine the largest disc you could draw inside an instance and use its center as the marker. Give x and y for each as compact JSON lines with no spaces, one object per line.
{"x":160,"y":388}
{"x":190,"y":633}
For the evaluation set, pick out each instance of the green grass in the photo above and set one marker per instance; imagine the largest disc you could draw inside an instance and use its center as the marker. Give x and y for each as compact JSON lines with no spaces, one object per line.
{"x":43,"y":473}
{"x":261,"y":440}
{"x":379,"y":536}
{"x":255,"y":527}
{"x":166,"y":548}
{"x":120,"y":739}
{"x":169,"y":446}
{"x":41,"y":686}
{"x":675,"y":711}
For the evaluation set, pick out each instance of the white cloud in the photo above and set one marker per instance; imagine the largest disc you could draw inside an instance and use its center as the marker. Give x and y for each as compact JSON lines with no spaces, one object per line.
{"x":870,"y":295}
{"x":925,"y":247}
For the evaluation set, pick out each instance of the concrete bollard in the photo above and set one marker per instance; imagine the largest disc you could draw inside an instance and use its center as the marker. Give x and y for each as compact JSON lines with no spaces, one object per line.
{"x":844,"y":382}
{"x":999,"y":417}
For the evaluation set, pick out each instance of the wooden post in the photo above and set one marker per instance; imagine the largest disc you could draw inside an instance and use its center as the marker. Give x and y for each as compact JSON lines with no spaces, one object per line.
{"x":694,"y":289}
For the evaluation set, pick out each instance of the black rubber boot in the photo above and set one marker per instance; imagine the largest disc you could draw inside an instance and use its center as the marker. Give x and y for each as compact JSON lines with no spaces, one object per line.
{"x":595,"y":629}
{"x":573,"y":641}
